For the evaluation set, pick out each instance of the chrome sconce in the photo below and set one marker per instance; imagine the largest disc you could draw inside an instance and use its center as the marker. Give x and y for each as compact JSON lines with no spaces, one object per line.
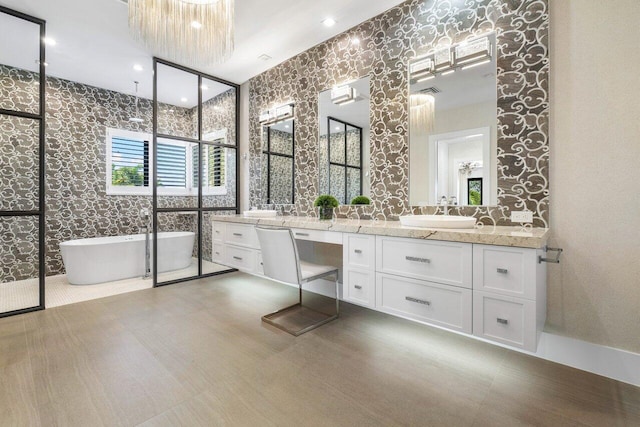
{"x":445,"y":61}
{"x":343,"y":95}
{"x":276,"y":115}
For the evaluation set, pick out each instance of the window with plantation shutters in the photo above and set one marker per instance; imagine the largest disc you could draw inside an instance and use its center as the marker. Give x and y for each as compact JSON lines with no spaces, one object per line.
{"x":129,"y":165}
{"x":128,"y":160}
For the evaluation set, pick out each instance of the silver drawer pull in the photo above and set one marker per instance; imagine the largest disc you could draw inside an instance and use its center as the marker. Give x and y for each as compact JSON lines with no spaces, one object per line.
{"x":358,"y":287}
{"x":503,"y":271}
{"x":238,"y":258}
{"x":218,"y":231}
{"x":415,"y":258}
{"x":502,"y":321}
{"x":358,"y":251}
{"x":419,"y":301}
{"x":217,"y":253}
{"x":237,"y":234}
{"x":302,"y":234}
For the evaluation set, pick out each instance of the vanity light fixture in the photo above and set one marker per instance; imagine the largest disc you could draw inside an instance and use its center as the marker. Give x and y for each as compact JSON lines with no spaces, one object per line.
{"x":474,"y":52}
{"x":343,"y":95}
{"x":138,"y":68}
{"x":49,"y":41}
{"x":276,"y":115}
{"x":423,"y":70}
{"x":189,"y":32}
{"x":443,"y":59}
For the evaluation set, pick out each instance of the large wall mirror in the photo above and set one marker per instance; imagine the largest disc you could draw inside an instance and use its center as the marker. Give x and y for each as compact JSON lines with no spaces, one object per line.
{"x":453,"y":125}
{"x":343,"y":152}
{"x":278,"y":163}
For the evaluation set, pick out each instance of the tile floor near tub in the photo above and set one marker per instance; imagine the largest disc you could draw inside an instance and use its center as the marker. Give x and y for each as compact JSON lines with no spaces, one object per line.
{"x":24,"y":293}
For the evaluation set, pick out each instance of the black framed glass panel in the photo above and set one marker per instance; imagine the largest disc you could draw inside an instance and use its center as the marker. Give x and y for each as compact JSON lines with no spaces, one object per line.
{"x":195,"y":166}
{"x":22,"y":143}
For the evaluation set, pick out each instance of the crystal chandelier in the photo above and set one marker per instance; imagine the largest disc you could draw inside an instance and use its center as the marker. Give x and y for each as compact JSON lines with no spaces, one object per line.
{"x":189,"y":32}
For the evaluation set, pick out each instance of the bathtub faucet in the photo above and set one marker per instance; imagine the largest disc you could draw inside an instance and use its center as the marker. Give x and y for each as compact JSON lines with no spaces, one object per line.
{"x":144,"y":214}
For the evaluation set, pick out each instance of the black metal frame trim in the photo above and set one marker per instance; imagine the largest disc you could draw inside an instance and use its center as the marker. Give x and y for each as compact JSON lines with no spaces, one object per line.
{"x":200,"y":209}
{"x":40,"y":213}
{"x":346,"y":165}
{"x":292,"y":156}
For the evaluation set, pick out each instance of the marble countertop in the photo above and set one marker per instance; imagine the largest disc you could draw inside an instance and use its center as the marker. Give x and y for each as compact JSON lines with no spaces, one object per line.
{"x":488,"y":235}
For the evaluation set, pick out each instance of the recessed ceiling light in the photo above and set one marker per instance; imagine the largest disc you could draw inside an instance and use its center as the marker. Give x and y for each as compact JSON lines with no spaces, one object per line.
{"x":329,"y":22}
{"x":204,"y":87}
{"x":196,"y":25}
{"x":138,"y":67}
{"x":183,"y":99}
{"x":49,"y":41}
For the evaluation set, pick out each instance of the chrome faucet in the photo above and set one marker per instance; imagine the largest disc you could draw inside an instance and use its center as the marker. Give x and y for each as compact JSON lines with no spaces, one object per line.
{"x":445,"y":205}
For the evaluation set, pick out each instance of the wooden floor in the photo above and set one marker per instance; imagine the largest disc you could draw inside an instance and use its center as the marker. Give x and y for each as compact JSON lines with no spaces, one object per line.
{"x":197,"y":354}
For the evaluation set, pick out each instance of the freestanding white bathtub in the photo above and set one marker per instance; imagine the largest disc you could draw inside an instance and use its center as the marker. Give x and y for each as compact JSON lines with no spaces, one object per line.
{"x":105,"y":259}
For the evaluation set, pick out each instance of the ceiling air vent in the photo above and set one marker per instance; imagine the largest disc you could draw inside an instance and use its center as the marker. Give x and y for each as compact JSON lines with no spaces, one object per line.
{"x":432,"y":90}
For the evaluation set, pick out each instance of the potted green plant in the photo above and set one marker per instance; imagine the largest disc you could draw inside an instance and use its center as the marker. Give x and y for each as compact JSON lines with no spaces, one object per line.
{"x":325,"y":203}
{"x":360,"y":200}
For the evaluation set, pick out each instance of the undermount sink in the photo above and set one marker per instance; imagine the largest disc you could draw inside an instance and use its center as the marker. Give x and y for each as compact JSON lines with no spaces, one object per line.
{"x":260,"y":213}
{"x":438,"y":221}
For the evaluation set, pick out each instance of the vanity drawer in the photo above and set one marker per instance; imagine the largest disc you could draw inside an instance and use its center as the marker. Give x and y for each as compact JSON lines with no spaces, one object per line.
{"x":218,"y":231}
{"x":359,"y":287}
{"x":241,"y":235}
{"x":218,"y":252}
{"x":442,"y":262}
{"x":241,"y":258}
{"x":359,"y":251}
{"x":505,"y":270}
{"x":317,"y":235}
{"x":442,"y":305}
{"x":507,"y":320}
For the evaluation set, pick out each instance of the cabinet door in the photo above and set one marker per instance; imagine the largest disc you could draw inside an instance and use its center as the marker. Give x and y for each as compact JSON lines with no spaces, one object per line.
{"x":359,"y":287}
{"x":442,"y":305}
{"x":504,"y":319}
{"x":505,"y":270}
{"x":359,"y":251}
{"x":441,"y":262}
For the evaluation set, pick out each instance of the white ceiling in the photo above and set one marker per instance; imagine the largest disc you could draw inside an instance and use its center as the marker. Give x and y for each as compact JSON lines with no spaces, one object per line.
{"x":94,"y":46}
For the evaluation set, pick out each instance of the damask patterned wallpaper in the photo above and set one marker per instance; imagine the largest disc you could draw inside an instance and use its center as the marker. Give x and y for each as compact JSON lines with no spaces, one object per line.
{"x":77,"y":205}
{"x":386,"y":44}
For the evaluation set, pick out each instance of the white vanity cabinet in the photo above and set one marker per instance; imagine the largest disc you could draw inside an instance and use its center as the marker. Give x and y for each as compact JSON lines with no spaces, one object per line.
{"x":359,"y":269}
{"x":509,"y":295}
{"x":497,"y":293}
{"x":237,"y":246}
{"x":428,"y":281}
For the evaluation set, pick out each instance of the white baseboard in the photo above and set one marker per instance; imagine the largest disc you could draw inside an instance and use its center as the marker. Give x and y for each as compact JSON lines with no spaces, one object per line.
{"x":609,"y":362}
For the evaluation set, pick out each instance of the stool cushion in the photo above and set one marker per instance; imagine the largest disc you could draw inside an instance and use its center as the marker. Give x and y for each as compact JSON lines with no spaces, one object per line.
{"x":309,"y":270}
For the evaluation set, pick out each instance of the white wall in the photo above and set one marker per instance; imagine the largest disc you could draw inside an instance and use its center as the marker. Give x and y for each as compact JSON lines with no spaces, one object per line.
{"x":594,"y":294}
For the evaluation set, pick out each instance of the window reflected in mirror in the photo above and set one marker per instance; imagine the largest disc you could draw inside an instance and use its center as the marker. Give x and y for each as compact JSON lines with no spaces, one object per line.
{"x":453,"y":126}
{"x":278,"y":163}
{"x":343,"y":156}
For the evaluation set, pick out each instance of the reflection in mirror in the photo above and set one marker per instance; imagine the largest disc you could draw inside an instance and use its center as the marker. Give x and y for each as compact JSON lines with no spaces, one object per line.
{"x":278,"y":163}
{"x":453,"y":126}
{"x":344,"y":141}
